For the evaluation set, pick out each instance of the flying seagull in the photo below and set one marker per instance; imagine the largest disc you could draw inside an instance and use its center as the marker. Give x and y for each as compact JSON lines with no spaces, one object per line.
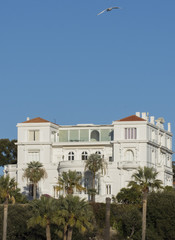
{"x":107,"y":10}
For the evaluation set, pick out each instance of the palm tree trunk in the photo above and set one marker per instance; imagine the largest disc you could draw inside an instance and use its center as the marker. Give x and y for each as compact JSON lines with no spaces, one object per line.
{"x":70,"y":190}
{"x":93,"y":187}
{"x":107,"y":220}
{"x":5,"y":220}
{"x":65,"y":233}
{"x":34,"y":191}
{"x":69,"y":236}
{"x":48,"y":236}
{"x":144,"y":210}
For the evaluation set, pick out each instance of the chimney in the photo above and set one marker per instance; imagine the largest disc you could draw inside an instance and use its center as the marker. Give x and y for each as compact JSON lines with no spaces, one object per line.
{"x":138,"y":114}
{"x":28,"y":118}
{"x":169,"y":127}
{"x":144,"y":115}
{"x":152,"y":119}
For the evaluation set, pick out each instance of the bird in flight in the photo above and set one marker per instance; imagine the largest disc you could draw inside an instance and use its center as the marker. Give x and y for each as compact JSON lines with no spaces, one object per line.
{"x":107,"y":10}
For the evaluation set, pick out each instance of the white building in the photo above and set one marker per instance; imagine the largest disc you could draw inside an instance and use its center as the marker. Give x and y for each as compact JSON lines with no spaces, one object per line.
{"x":126,"y":144}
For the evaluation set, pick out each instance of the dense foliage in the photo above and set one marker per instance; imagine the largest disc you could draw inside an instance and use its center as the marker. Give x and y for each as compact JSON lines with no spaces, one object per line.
{"x":125,"y":218}
{"x":161,"y":216}
{"x":8,"y":152}
{"x":131,"y":195}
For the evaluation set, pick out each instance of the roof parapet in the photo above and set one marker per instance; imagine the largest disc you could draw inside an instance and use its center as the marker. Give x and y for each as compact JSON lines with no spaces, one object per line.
{"x":169,"y":127}
{"x":152,"y":119}
{"x":138,"y":114}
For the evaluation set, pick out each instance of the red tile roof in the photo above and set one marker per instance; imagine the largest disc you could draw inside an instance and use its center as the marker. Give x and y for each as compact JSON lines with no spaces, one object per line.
{"x":131,"y":118}
{"x":38,"y":120}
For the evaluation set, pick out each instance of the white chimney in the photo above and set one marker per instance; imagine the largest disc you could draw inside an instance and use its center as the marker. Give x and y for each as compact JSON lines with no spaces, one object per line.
{"x":169,"y":127}
{"x":152,"y":119}
{"x":28,"y":118}
{"x":144,"y":115}
{"x":138,"y":114}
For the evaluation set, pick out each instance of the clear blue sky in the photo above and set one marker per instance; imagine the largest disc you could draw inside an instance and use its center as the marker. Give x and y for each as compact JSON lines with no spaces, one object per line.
{"x":60,"y":61}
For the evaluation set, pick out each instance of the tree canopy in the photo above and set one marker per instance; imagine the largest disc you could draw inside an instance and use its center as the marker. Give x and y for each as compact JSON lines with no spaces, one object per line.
{"x":131,"y":195}
{"x":44,"y":213}
{"x":8,"y":152}
{"x":94,"y":164}
{"x":7,"y":188}
{"x":74,"y":213}
{"x":145,"y":179}
{"x":69,"y":181}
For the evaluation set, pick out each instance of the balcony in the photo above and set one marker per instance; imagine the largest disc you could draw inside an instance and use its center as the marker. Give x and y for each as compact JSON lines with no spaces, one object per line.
{"x":10,"y":168}
{"x":71,"y":164}
{"x":168,"y":170}
{"x":128,"y":165}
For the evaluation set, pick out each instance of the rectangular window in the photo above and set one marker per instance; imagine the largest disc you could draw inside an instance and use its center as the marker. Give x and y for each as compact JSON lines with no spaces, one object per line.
{"x":110,"y":159}
{"x":74,"y":136}
{"x":33,"y":155}
{"x":108,"y":189}
{"x":53,"y":137}
{"x":130,"y":133}
{"x":33,"y":135}
{"x":63,"y":136}
{"x":84,"y":135}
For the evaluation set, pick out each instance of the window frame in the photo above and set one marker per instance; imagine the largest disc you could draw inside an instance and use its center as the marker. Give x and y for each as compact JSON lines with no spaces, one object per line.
{"x":71,"y":156}
{"x":95,"y":138}
{"x":130,"y":133}
{"x":108,"y":189}
{"x":84,"y":155}
{"x":33,"y":136}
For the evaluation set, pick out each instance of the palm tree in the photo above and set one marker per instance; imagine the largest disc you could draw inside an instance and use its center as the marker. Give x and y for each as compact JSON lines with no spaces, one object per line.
{"x":146,"y":179}
{"x":74,"y":213}
{"x":34,"y":172}
{"x":94,"y":164}
{"x":7,"y":187}
{"x":45,"y":209}
{"x":68,"y":181}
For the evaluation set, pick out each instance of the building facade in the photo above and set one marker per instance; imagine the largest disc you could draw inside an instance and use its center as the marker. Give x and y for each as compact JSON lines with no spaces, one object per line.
{"x":126,"y":144}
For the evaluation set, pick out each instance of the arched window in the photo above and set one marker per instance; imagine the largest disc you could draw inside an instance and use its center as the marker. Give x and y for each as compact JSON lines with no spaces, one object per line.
{"x":129,"y":156}
{"x":84,"y":156}
{"x":98,"y":152}
{"x":71,"y":156}
{"x":95,"y":136}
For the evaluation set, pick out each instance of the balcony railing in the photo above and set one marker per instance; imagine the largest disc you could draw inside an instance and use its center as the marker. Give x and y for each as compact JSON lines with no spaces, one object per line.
{"x":128,"y":165}
{"x":71,"y":164}
{"x":10,"y":168}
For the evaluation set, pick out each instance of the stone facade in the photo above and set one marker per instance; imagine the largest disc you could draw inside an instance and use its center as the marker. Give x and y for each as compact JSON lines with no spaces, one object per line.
{"x":126,"y":144}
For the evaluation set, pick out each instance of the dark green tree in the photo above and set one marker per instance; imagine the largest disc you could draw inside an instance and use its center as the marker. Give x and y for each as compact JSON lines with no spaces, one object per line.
{"x":44,"y":213}
{"x":7,"y":189}
{"x":18,"y":216}
{"x":8,"y":152}
{"x":131,"y":195}
{"x":74,"y":213}
{"x":127,"y":220}
{"x":161,"y":216}
{"x":146,"y":179}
